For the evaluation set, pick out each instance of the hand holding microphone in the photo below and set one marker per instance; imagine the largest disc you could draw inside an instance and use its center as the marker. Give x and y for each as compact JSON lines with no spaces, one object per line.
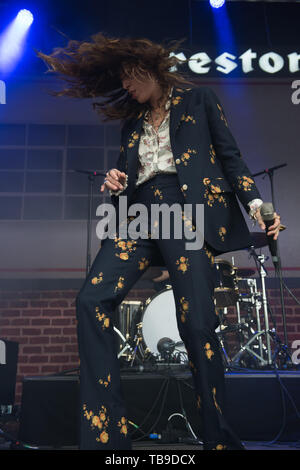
{"x":269,"y":221}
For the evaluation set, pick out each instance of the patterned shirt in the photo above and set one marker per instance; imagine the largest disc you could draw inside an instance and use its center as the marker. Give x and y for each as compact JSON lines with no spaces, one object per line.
{"x":155,"y":153}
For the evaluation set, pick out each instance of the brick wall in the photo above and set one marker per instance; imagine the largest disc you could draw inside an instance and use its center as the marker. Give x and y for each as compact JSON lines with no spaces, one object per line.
{"x":44,"y":325}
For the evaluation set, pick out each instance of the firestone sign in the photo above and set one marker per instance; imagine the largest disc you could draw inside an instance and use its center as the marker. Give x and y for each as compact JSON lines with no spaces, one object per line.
{"x":270,"y":62}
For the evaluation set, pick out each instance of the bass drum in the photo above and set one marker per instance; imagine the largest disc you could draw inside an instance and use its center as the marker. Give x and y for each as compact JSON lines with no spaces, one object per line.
{"x":158,"y":321}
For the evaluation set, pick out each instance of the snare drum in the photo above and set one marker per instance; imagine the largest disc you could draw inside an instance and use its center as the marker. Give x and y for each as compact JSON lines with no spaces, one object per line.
{"x":226,"y":291}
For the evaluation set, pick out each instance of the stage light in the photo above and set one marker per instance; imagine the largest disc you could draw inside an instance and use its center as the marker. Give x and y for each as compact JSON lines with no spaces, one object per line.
{"x":12,"y":40}
{"x":216,"y":3}
{"x":25,"y":17}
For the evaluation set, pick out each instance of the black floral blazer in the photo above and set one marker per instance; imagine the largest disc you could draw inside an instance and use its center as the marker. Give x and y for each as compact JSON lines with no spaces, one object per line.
{"x":209,"y":164}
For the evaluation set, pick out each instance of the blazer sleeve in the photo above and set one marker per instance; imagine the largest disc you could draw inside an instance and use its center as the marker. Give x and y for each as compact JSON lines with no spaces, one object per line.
{"x":120,"y":165}
{"x":227,"y":151}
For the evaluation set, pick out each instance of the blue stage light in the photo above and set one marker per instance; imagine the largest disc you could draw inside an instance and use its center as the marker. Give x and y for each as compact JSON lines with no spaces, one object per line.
{"x":25,"y":17}
{"x":216,"y":3}
{"x":12,"y":41}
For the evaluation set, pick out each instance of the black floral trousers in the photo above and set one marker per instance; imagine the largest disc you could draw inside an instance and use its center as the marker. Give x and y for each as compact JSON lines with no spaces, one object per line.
{"x":117,"y":267}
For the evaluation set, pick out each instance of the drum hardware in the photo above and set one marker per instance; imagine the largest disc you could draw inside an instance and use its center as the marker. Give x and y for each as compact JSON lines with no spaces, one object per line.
{"x":225,"y":292}
{"x":127,"y":311}
{"x":258,"y":301}
{"x":252,"y":301}
{"x":123,"y":345}
{"x":249,"y":329}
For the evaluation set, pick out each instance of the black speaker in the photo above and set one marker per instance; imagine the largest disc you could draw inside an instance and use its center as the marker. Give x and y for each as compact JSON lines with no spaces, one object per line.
{"x":258,"y":404}
{"x":8,"y":371}
{"x":49,"y":411}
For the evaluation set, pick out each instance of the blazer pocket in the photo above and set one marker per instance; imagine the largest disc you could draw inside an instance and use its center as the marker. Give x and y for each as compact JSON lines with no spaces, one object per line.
{"x":217,"y":185}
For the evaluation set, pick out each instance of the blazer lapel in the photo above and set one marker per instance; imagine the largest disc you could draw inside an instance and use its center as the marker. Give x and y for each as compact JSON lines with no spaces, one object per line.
{"x":178,"y":107}
{"x":132,"y":143}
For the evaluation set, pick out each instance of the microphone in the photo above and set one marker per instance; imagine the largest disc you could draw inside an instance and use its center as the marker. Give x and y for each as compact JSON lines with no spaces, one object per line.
{"x":267,"y":214}
{"x":166,"y":347}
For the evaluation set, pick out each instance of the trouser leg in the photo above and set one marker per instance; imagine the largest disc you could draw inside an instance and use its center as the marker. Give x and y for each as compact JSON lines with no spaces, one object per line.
{"x":118,"y":265}
{"x":192,"y":277}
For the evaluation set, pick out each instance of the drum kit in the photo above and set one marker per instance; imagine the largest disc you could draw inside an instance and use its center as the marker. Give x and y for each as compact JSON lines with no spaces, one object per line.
{"x":147,"y":332}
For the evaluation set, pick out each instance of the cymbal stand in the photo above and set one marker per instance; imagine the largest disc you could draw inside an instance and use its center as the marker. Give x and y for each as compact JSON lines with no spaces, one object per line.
{"x":257,"y":336}
{"x":252,"y":301}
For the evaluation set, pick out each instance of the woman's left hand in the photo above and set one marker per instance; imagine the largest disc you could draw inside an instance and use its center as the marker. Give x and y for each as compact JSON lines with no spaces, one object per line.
{"x":273,"y":229}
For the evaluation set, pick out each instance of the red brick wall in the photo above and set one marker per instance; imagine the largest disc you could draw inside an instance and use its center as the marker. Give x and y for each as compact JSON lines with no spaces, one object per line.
{"x":44,"y":325}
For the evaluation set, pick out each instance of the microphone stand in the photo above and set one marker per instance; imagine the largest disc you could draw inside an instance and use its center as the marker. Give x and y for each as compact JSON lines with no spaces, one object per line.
{"x":91,"y":179}
{"x":278,"y":270}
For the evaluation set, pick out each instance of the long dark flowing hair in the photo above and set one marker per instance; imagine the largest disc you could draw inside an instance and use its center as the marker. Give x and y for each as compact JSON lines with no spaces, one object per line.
{"x":93,"y":69}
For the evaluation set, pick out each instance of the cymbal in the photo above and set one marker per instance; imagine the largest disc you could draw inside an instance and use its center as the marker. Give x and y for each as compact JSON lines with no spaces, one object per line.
{"x":245,"y":272}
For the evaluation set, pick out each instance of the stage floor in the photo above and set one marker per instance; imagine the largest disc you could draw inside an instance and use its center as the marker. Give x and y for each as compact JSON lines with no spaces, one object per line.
{"x":249,"y":446}
{"x":154,"y":447}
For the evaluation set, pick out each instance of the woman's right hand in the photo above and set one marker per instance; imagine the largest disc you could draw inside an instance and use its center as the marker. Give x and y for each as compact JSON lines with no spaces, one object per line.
{"x":115,"y":180}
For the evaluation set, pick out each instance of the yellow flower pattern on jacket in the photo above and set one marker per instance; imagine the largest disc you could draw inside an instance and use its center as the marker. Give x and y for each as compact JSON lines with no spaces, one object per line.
{"x":183,"y":264}
{"x":212,"y":154}
{"x":105,"y":382}
{"x":222,"y":233}
{"x":133,"y":139}
{"x":120,"y":283}
{"x":245,"y":183}
{"x":184,"y":308}
{"x":176,"y":100}
{"x":185,"y":157}
{"x":220,"y":447}
{"x":98,"y":421}
{"x":213,"y":193}
{"x":103,"y":319}
{"x":123,"y":426}
{"x":157,"y":192}
{"x":97,"y":280}
{"x":143,"y":263}
{"x":222,"y":115}
{"x":208,"y":351}
{"x":188,"y":118}
{"x":126,"y":247}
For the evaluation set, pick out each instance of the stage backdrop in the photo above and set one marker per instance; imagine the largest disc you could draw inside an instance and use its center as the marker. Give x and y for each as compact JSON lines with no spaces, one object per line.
{"x":248,"y":54}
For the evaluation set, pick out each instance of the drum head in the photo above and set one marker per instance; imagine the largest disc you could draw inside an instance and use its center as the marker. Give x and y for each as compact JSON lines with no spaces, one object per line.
{"x":159,"y":321}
